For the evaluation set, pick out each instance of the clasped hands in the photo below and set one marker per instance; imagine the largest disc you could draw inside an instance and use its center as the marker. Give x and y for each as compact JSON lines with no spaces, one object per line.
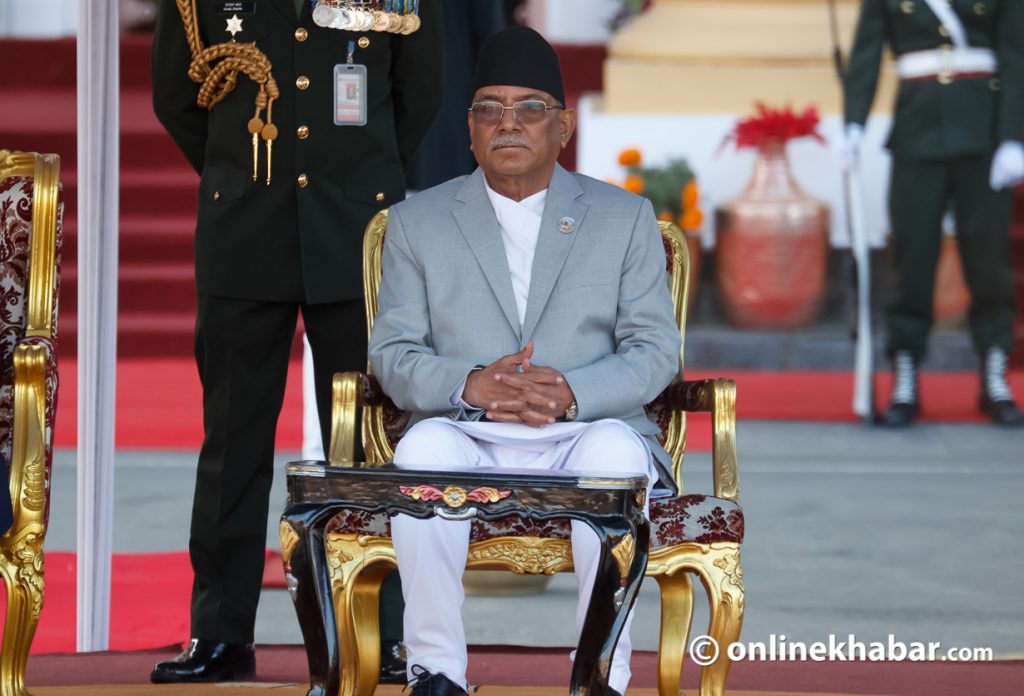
{"x":514,"y":390}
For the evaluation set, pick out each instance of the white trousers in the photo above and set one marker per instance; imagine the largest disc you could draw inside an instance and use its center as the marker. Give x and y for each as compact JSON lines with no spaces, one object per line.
{"x":432,"y":553}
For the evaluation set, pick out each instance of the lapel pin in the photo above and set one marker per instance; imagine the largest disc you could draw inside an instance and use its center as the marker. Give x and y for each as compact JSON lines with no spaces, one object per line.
{"x":566,"y":225}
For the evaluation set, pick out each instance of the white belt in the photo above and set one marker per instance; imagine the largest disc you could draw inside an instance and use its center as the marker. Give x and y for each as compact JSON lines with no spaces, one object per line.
{"x":944,"y":63}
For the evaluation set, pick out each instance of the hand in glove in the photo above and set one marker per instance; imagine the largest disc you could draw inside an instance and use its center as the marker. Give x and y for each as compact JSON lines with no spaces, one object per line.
{"x":849,"y":146}
{"x":1007,"y":165}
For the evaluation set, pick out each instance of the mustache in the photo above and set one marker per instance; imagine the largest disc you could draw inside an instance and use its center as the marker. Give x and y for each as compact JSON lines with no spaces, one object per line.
{"x":508,"y":140}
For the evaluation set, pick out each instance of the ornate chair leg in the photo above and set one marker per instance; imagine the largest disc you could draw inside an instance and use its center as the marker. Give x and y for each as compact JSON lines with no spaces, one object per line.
{"x":24,"y":579}
{"x":723,"y":578}
{"x":676,"y":619}
{"x":358,"y":566}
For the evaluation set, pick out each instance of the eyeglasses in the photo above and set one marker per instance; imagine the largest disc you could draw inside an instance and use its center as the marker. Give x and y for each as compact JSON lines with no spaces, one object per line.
{"x":526,"y":112}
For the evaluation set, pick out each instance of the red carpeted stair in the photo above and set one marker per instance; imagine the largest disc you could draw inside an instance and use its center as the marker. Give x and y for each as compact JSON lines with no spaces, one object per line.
{"x":157,"y":195}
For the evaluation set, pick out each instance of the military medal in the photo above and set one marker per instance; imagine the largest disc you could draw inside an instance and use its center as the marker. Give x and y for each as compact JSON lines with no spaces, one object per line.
{"x":393,"y":16}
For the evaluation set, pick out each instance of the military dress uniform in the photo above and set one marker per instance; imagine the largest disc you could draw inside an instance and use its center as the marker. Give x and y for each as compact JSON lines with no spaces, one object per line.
{"x":959,"y":99}
{"x":266,"y":251}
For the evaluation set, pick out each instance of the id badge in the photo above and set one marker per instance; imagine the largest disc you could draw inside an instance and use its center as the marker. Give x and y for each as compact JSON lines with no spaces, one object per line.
{"x":350,"y":94}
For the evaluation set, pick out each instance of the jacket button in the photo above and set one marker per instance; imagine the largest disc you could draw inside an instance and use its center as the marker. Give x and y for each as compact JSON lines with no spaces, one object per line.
{"x":302,"y":82}
{"x":979,"y":8}
{"x":301,"y":34}
{"x":363,"y":42}
{"x":994,"y":84}
{"x":216,"y":195}
{"x":302,"y":132}
{"x":907,"y":7}
{"x":379,"y":198}
{"x":943,"y":31}
{"x":302,"y":180}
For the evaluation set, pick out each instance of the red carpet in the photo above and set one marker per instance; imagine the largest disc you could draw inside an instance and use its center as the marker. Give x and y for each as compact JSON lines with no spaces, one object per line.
{"x":512,"y":666}
{"x":159,"y":402}
{"x":149,"y":600}
{"x":159,"y":405}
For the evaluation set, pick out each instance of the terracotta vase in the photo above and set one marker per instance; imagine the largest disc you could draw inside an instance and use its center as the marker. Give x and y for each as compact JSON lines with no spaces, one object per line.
{"x":771,"y":248}
{"x":951,"y":296}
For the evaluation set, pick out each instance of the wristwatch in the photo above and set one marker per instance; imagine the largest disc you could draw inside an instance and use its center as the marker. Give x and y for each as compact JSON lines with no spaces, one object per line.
{"x":572,"y":412}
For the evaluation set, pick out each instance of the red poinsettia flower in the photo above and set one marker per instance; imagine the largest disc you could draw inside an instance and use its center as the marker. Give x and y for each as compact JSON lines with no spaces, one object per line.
{"x":775,"y":125}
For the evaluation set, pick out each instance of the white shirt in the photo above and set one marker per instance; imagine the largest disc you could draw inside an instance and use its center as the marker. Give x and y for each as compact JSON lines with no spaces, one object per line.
{"x":520,"y":226}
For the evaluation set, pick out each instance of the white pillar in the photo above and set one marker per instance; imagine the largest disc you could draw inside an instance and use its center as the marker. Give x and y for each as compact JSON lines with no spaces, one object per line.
{"x":97,"y":312}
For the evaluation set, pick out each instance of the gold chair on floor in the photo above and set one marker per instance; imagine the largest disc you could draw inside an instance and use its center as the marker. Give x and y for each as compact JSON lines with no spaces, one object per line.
{"x":699,"y":534}
{"x":30,"y":233}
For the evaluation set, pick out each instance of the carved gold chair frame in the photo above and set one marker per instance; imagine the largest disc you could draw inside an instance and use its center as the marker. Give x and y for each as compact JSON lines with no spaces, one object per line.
{"x":359,"y":562}
{"x":21,"y":548}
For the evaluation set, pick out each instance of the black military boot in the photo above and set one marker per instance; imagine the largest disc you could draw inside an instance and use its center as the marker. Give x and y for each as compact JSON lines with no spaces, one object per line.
{"x":995,"y":399}
{"x":905,"y":405}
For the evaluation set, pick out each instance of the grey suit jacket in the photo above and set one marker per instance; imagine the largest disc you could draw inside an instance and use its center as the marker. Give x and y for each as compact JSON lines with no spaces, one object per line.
{"x":598,"y":310}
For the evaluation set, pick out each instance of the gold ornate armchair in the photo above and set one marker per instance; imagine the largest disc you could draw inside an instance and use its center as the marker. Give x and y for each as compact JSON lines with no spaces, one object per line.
{"x":697,"y":534}
{"x":30,"y":234}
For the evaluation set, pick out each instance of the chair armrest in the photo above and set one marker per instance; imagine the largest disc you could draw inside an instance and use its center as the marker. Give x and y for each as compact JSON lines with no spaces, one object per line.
{"x":350,"y":390}
{"x":717,"y":397}
{"x":34,"y":361}
{"x":345,"y":390}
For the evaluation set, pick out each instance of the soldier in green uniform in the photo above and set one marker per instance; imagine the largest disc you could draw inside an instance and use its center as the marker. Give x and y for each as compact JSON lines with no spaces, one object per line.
{"x":956,"y":143}
{"x":284,"y":196}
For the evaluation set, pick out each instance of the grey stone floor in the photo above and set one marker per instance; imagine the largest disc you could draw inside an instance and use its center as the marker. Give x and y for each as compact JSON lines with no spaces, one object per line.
{"x":850,"y":529}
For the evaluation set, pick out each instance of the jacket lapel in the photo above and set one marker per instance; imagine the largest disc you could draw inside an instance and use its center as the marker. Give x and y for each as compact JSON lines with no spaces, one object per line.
{"x":552,"y":244}
{"x":479,"y":226}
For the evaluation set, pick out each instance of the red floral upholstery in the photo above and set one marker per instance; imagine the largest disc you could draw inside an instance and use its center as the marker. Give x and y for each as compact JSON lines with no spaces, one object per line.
{"x":704,"y":519}
{"x":16,"y":201}
{"x":659,"y":411}
{"x":15,"y":229}
{"x":690,"y":518}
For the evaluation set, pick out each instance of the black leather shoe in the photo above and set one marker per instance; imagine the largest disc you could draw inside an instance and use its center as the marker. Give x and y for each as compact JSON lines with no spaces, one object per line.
{"x":900,"y":415}
{"x":1001,"y":412}
{"x":392,"y":662}
{"x":207,"y":661}
{"x":426,"y":684}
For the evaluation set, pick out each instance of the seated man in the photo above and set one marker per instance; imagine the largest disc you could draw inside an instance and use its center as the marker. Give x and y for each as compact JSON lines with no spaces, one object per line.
{"x":525,"y":320}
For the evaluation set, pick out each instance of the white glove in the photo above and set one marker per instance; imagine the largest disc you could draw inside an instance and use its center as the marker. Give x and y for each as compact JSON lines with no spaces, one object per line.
{"x":849,"y":146}
{"x":1007,"y":165}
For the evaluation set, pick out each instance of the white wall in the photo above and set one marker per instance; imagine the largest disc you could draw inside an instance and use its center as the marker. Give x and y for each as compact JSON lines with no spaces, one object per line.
{"x":572,"y":21}
{"x":39,"y":18}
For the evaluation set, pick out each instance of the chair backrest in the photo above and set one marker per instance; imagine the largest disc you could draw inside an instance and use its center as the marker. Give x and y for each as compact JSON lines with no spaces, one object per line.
{"x":384,"y":425}
{"x":30,"y":220}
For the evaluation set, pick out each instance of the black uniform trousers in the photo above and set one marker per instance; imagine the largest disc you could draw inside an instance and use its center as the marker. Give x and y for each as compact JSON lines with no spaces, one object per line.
{"x":920,"y":193}
{"x":242,"y":350}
